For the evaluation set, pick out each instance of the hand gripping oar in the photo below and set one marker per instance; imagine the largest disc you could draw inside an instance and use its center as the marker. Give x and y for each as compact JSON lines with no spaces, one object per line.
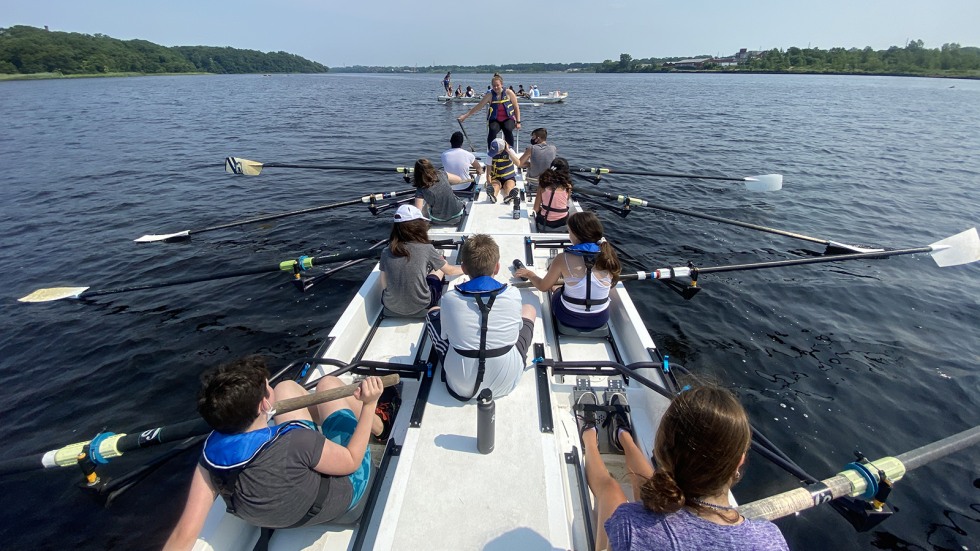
{"x":859,"y":479}
{"x":962,"y":248}
{"x":465,"y":135}
{"x":763,"y":182}
{"x":106,"y":446}
{"x":237,"y":165}
{"x":293,"y":266}
{"x":186,"y":233}
{"x":832,"y":246}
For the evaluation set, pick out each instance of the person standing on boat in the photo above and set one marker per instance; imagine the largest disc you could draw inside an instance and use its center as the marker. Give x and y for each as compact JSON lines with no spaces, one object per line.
{"x":504,"y":113}
{"x":457,"y":161}
{"x":411,"y":268}
{"x":286,"y":474}
{"x":538,"y":156}
{"x":473,"y":356}
{"x":590,"y":267}
{"x":447,"y":83}
{"x":433,"y":191}
{"x":700,"y":450}
{"x":502,"y":174}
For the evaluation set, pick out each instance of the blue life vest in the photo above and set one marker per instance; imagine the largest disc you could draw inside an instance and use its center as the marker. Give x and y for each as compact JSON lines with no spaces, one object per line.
{"x":502,"y":106}
{"x":478,"y":288}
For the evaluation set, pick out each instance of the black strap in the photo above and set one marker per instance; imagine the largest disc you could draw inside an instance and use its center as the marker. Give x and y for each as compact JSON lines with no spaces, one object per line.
{"x":482,"y":354}
{"x":589,"y":260}
{"x":318,"y":501}
{"x":548,"y":206}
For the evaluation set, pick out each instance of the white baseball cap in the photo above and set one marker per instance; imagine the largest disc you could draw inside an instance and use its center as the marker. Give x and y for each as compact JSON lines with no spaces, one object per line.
{"x":407,"y":213}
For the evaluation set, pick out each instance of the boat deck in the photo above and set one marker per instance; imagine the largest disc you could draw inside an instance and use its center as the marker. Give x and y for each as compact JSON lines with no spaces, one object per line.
{"x":434,"y":490}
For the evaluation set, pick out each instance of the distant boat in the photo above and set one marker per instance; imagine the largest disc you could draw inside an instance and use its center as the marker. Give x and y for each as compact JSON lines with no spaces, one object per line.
{"x":552,"y":97}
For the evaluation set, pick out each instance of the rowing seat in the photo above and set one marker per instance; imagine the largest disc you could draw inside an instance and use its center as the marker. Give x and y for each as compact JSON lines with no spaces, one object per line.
{"x":597,"y":333}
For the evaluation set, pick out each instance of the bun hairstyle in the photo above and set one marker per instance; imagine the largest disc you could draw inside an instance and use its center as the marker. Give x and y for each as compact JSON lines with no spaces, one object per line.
{"x":702,"y":438}
{"x":425,"y":173}
{"x":587,"y":227}
{"x":558,"y":176}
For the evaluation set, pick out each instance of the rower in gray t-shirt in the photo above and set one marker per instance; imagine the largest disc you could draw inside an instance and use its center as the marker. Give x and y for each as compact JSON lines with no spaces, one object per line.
{"x":541,"y":156}
{"x":407,"y":293}
{"x":444,"y":206}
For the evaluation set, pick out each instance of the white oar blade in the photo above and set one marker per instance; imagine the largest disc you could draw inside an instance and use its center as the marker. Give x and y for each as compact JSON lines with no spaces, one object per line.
{"x":54,"y":293}
{"x":765,"y":182}
{"x":237,"y":165}
{"x":161,"y":237}
{"x":962,"y":248}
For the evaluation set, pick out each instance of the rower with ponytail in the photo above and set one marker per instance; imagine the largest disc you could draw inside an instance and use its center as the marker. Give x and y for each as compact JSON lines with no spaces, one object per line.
{"x":684,"y":503}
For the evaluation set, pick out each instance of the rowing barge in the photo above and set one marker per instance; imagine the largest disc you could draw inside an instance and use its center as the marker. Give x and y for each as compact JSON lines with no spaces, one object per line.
{"x":552,"y":97}
{"x":432,"y":489}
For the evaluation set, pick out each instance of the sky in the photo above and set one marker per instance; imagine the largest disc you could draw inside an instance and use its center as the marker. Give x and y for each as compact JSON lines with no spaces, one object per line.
{"x":455,"y":32}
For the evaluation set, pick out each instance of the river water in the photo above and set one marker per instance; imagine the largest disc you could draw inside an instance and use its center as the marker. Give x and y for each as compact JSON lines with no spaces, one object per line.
{"x":875,"y":355}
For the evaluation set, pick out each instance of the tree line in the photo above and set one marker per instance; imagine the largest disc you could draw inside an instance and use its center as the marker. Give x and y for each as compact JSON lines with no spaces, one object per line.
{"x":28,"y":50}
{"x":914,"y":59}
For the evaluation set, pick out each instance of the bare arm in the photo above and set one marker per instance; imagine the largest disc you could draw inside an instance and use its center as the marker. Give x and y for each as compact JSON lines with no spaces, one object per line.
{"x":477,"y":167}
{"x":451,"y":269}
{"x":517,"y":107}
{"x":525,"y":158}
{"x":338,"y":460}
{"x":550,"y":279}
{"x":483,"y":102}
{"x":199,"y":501}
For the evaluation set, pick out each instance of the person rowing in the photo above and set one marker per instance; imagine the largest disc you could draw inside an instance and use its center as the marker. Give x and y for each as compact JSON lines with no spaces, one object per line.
{"x":504,"y":113}
{"x":590,"y":267}
{"x":683,"y":502}
{"x":287,"y":474}
{"x":458,"y":161}
{"x":553,"y":196}
{"x":433,"y":190}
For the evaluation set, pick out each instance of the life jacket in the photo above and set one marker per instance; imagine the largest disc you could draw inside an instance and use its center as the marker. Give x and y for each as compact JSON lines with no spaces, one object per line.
{"x":502,"y":168}
{"x":551,"y":199}
{"x":499,"y":107}
{"x":225,"y":456}
{"x":588,"y":252}
{"x":478,"y":288}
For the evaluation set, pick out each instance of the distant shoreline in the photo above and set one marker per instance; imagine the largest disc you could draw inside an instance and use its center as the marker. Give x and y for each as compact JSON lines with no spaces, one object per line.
{"x":55,"y":76}
{"x":50,"y":76}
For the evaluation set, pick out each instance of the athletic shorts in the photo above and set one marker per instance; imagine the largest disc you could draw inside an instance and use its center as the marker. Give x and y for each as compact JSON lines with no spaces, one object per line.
{"x":339,"y":428}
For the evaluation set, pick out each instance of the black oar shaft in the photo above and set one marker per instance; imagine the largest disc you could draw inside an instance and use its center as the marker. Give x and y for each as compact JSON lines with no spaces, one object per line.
{"x":340,"y":167}
{"x":312,"y":261}
{"x":713,"y":218}
{"x":656,"y":174}
{"x":386,"y":195}
{"x":817,"y":260}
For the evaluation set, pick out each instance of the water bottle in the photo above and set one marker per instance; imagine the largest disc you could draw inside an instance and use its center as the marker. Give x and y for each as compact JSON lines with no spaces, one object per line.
{"x":485,"y":414}
{"x":517,"y":207}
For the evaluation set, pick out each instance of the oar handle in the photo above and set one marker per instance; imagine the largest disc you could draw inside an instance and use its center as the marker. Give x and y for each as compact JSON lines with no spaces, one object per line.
{"x":292,"y":404}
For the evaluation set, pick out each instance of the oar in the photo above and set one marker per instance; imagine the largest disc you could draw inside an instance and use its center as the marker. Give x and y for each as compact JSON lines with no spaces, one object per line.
{"x":186,"y":233}
{"x":465,"y":135}
{"x":237,"y":165}
{"x":110,"y":445}
{"x":763,"y":182}
{"x":303,"y":263}
{"x":859,"y":479}
{"x":962,"y":248}
{"x":635,"y":201}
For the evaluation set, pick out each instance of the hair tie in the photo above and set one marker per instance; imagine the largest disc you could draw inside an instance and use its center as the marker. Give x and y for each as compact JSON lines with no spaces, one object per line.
{"x":601,"y":241}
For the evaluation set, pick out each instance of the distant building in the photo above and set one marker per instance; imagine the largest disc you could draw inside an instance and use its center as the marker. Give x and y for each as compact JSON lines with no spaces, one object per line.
{"x":696,"y":63}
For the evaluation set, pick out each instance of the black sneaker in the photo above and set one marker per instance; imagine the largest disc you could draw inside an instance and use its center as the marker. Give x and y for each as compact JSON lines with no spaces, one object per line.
{"x":514,"y":196}
{"x":387,"y":410}
{"x":619,"y":419}
{"x":586,"y":417}
{"x":490,"y":194}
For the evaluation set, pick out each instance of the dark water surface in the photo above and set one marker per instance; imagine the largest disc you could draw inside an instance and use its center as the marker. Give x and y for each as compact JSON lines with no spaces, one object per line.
{"x":876,"y":355}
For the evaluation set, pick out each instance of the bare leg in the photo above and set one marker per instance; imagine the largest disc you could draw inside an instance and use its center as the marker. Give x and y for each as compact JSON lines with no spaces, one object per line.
{"x":325,"y":409}
{"x":639,"y":467}
{"x":291,"y":389}
{"x":508,"y":185}
{"x":608,"y":494}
